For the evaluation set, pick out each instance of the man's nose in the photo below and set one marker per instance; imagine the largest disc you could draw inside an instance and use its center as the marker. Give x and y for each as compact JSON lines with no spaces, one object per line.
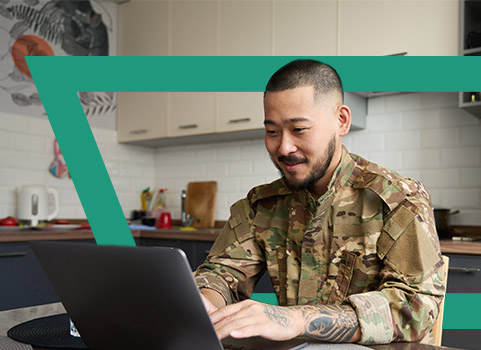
{"x":287,"y":145}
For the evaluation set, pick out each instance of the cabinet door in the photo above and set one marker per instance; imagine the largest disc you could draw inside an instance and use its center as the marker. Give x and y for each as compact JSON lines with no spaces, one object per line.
{"x":23,"y":282}
{"x":194,"y":28}
{"x":143,"y":28}
{"x":141,"y":116}
{"x":191,"y":113}
{"x":424,"y":28}
{"x":245,"y":28}
{"x":240,"y":111}
{"x":307,"y":28}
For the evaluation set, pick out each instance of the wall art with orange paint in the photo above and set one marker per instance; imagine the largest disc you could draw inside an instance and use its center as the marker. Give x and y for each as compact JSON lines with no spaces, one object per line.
{"x":48,"y":28}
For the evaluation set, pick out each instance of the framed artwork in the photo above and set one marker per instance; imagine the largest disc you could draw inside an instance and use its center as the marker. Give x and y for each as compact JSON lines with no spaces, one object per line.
{"x":54,"y":28}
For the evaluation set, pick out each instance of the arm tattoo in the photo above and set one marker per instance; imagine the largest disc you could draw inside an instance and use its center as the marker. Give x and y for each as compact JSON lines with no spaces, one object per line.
{"x":278,"y":315}
{"x":332,"y":323}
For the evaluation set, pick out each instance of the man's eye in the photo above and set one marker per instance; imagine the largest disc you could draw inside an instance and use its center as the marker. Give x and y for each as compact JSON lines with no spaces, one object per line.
{"x":297,"y":130}
{"x":271,"y":132}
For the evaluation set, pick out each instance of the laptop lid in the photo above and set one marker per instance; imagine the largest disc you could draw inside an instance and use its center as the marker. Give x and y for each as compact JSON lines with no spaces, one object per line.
{"x":128,"y":297}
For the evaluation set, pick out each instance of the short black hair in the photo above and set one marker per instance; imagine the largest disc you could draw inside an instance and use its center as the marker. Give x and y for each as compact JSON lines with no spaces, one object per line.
{"x":306,"y":72}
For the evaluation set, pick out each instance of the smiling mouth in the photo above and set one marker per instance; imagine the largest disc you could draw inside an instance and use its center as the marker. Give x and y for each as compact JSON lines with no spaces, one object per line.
{"x":292,"y":163}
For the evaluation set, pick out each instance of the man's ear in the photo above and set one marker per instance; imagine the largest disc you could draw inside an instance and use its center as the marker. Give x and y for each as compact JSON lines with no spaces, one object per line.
{"x":343,"y":120}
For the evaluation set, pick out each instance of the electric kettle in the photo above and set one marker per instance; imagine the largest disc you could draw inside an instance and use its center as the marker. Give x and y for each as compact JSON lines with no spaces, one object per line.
{"x":33,"y":204}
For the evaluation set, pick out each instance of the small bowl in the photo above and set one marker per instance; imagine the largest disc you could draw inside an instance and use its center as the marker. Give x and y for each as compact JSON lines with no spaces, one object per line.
{"x":148,"y":221}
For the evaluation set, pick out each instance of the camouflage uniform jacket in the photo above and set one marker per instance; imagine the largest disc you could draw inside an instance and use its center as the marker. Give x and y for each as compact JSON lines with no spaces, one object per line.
{"x":369,"y":241}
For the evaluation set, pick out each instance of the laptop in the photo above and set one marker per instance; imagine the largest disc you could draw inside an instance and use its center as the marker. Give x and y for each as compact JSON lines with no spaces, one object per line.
{"x":135,"y":298}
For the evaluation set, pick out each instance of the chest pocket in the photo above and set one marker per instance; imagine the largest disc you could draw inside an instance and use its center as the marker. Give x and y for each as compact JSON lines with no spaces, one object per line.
{"x":343,"y":279}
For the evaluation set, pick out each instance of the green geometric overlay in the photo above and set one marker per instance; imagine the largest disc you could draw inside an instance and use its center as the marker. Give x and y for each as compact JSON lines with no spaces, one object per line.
{"x":59,"y":78}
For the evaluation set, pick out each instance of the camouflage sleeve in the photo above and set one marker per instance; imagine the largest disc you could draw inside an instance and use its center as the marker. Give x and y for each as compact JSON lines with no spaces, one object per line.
{"x":235,"y":262}
{"x":406,"y":304}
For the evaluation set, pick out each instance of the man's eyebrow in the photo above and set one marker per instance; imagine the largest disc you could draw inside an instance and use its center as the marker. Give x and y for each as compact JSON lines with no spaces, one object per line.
{"x":290,"y":121}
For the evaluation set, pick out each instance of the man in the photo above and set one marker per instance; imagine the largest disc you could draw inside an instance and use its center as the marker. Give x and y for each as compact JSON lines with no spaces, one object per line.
{"x":350,"y":247}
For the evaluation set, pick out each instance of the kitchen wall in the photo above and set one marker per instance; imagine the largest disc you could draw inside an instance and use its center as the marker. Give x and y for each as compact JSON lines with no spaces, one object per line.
{"x":26,"y":151}
{"x":423,"y":135}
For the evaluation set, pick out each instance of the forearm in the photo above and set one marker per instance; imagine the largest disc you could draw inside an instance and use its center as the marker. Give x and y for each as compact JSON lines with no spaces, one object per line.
{"x":330,"y":323}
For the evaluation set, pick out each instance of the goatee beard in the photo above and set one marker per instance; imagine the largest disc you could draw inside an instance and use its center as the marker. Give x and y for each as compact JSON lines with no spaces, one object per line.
{"x":317,"y":172}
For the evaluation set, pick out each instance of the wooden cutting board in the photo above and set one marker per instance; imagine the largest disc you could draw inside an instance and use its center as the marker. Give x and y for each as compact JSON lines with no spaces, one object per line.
{"x":200,"y":202}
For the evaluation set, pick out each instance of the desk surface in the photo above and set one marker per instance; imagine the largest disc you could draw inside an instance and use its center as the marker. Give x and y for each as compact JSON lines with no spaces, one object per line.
{"x":11,"y":318}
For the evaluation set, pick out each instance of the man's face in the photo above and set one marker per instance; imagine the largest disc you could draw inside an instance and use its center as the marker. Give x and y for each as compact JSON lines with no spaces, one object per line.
{"x":300,"y":134}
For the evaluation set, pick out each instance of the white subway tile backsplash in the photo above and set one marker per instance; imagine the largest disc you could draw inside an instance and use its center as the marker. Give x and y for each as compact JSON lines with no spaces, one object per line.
{"x":439,"y":99}
{"x":228,"y":185}
{"x":383,"y":122}
{"x":40,"y":126}
{"x":402,"y":102}
{"x":456,"y":117}
{"x":424,"y":136}
{"x":470,"y":177}
{"x":471,"y":136}
{"x":420,"y":159}
{"x":228,"y":153}
{"x":403,"y":140}
{"x":440,"y":178}
{"x":263,"y":167}
{"x":461,"y":198}
{"x":12,"y":159}
{"x":240,"y":168}
{"x":363,"y":143}
{"x":39,"y":161}
{"x":13,"y":122}
{"x":440,"y":138}
{"x":420,"y":119}
{"x":4,"y":139}
{"x":255,"y":150}
{"x":69,"y":197}
{"x":460,"y":157}
{"x":29,"y":143}
{"x":216,"y":170}
{"x":7,"y":195}
{"x":206,"y":155}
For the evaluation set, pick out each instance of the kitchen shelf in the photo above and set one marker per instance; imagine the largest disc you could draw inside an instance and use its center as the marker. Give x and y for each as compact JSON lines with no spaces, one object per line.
{"x":475,"y":51}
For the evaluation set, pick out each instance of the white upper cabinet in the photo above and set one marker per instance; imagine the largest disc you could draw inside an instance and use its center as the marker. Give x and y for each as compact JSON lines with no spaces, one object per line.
{"x":387,"y":27}
{"x":240,"y":111}
{"x":305,"y":28}
{"x":191,"y":113}
{"x":194,"y":28}
{"x":141,"y":116}
{"x":143,"y":28}
{"x":245,"y":28}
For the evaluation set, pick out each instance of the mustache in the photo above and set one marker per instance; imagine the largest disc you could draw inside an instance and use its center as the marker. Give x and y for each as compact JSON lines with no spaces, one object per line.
{"x":292,"y":159}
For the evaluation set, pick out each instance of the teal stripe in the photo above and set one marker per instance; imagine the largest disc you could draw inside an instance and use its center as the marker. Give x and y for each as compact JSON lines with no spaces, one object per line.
{"x":462,"y":311}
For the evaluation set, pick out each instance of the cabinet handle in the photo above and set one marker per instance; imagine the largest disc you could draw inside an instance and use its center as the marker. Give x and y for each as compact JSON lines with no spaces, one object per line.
{"x":188,"y":126}
{"x":12,"y":254}
{"x":137,"y":132}
{"x":464,"y":269}
{"x":240,"y":120}
{"x":398,"y":54}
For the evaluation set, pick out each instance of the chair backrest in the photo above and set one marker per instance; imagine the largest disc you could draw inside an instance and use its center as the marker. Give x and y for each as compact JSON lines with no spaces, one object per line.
{"x":438,"y":325}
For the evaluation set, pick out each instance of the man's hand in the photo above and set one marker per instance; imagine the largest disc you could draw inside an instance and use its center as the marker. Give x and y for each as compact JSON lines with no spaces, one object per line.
{"x":330,"y":323}
{"x":250,"y":318}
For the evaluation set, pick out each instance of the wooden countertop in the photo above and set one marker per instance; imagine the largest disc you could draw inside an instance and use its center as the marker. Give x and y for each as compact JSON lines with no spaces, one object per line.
{"x":208,"y":235}
{"x":45,"y":234}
